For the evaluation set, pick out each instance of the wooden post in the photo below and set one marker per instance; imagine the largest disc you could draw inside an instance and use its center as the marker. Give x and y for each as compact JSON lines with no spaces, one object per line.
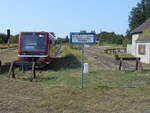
{"x":137,"y":63}
{"x":106,"y":51}
{"x":115,"y":50}
{"x":119,"y":50}
{"x":141,"y":67}
{"x":116,"y":56}
{"x":120,"y":64}
{"x":33,"y":70}
{"x":0,"y":66}
{"x":11,"y":70}
{"x":22,"y":68}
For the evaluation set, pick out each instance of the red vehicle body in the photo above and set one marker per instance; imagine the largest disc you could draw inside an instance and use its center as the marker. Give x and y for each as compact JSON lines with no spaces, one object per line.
{"x":34,"y":46}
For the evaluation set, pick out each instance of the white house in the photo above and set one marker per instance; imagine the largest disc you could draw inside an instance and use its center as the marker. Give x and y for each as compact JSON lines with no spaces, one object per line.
{"x":140,"y":46}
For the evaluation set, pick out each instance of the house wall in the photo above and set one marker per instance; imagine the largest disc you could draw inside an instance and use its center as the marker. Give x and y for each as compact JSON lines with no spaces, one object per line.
{"x":144,"y":58}
{"x":131,"y":48}
{"x":134,"y":38}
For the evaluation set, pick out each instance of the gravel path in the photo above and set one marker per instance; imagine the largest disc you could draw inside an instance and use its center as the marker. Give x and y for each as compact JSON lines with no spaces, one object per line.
{"x":99,"y":60}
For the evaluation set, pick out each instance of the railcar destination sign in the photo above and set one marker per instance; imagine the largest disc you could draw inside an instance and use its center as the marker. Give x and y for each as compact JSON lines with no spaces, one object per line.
{"x":83,"y":38}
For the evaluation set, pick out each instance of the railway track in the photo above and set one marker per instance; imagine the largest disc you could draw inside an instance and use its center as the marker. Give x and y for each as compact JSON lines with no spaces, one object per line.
{"x":108,"y":62}
{"x":100,"y":60}
{"x":58,"y":51}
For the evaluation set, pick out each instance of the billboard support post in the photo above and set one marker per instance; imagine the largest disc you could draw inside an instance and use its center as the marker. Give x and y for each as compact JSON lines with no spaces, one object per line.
{"x":82,"y":67}
{"x":82,"y":38}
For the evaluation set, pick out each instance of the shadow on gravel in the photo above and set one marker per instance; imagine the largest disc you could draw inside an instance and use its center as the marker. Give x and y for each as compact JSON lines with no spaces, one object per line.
{"x":4,"y":68}
{"x":67,"y":62}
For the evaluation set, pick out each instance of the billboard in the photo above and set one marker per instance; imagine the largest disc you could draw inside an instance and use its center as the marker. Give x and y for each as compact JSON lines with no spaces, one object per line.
{"x":82,"y":38}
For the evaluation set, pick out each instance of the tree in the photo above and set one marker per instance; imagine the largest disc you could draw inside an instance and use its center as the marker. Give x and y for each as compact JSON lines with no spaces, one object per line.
{"x":67,"y":39}
{"x":3,"y":38}
{"x":105,"y":36}
{"x":14,"y":39}
{"x":110,"y":37}
{"x":139,"y":14}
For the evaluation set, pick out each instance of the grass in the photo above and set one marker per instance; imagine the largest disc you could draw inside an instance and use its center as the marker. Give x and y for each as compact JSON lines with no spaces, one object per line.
{"x":67,"y":72}
{"x":58,"y":89}
{"x":125,"y":55}
{"x":112,"y":45}
{"x":96,"y":79}
{"x":10,"y":45}
{"x":71,"y":49}
{"x":8,"y":55}
{"x":119,"y":54}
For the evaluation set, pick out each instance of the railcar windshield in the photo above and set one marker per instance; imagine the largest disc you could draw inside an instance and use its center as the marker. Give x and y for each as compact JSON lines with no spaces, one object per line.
{"x":33,"y":41}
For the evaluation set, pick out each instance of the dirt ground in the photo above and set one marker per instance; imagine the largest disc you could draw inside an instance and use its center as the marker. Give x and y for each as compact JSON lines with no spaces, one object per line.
{"x":28,"y":97}
{"x":8,"y":55}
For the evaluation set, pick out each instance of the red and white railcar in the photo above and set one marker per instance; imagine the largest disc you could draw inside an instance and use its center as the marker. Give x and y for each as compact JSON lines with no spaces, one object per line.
{"x":34,"y":46}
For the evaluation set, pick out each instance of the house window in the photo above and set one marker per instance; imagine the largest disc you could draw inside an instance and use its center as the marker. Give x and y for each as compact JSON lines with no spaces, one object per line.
{"x":142,"y":49}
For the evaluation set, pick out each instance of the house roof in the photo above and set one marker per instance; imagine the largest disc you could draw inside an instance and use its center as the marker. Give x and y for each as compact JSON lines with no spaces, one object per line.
{"x":143,"y":39}
{"x":142,"y":27}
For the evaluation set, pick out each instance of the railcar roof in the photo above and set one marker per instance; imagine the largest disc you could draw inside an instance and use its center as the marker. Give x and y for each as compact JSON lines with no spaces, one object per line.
{"x":33,"y":32}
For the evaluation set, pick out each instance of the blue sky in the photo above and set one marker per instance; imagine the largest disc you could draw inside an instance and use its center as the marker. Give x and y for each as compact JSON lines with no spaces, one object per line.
{"x":65,"y":16}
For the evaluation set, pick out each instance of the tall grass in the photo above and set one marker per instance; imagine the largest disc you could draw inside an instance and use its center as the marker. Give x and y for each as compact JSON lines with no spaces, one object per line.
{"x":10,"y":45}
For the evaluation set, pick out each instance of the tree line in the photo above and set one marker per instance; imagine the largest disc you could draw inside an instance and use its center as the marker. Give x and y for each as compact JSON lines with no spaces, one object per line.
{"x":112,"y":38}
{"x":4,"y":38}
{"x":102,"y":38}
{"x":139,"y":14}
